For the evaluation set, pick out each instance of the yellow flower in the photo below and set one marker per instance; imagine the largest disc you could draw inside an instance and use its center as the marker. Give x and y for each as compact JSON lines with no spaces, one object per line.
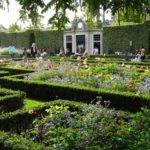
{"x":123,"y":65}
{"x":131,"y":85}
{"x":30,"y":111}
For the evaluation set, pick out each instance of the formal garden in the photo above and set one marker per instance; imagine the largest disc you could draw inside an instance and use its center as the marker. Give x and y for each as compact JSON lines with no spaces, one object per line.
{"x":64,"y":103}
{"x":78,"y":81}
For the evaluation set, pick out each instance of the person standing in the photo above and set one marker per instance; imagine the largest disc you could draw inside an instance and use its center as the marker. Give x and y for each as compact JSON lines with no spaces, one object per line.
{"x":11,"y":50}
{"x":142,"y":54}
{"x":95,"y":50}
{"x":33,"y":50}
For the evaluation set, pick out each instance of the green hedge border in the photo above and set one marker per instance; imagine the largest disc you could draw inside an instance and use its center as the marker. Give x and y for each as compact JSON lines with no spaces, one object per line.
{"x":4,"y":73}
{"x":19,"y":120}
{"x":14,"y":71}
{"x":11,"y":100}
{"x":46,"y":91}
{"x":113,"y":56}
{"x":9,"y":141}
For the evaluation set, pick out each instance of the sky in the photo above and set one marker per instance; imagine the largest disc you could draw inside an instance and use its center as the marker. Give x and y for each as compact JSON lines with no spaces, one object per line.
{"x":11,"y":15}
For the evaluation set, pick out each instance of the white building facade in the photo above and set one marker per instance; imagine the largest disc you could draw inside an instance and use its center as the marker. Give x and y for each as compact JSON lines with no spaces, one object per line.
{"x":81,"y":37}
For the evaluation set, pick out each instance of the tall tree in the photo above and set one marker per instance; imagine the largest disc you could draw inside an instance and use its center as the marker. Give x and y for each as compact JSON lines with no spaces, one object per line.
{"x":14,"y":27}
{"x":30,"y":10}
{"x":3,"y":2}
{"x":60,"y":18}
{"x":93,"y":8}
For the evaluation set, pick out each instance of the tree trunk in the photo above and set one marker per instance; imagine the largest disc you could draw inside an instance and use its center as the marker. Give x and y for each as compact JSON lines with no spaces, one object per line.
{"x":119,"y":17}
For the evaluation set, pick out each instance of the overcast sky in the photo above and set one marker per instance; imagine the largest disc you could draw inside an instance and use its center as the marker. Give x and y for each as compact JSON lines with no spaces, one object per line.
{"x":11,"y":15}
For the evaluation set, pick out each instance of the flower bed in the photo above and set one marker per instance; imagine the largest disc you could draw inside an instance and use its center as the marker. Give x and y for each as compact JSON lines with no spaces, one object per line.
{"x":111,"y":77}
{"x":71,"y":125}
{"x":51,"y":91}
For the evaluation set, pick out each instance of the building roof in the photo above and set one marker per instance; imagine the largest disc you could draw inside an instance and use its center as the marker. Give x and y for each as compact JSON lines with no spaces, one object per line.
{"x":2,"y":27}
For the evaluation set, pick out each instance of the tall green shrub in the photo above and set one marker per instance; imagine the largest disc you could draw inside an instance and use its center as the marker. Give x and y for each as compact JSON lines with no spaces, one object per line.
{"x":51,"y":40}
{"x":118,"y":37}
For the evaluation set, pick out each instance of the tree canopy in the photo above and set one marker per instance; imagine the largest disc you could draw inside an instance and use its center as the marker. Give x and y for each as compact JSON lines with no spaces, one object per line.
{"x":60,"y":7}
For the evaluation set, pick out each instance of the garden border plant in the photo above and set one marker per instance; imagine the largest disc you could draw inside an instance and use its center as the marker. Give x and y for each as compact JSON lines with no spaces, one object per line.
{"x":117,"y":140}
{"x":13,"y":121}
{"x":9,"y":141}
{"x":46,"y":91}
{"x":14,"y":71}
{"x":113,"y":56}
{"x":10,"y":100}
{"x":4,"y":73}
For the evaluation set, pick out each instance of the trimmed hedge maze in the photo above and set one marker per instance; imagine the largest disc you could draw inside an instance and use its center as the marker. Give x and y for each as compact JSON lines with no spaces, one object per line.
{"x":10,"y":100}
{"x":82,"y":118}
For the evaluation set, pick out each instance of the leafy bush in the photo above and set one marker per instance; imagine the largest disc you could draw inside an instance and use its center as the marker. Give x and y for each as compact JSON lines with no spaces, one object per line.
{"x":133,"y":135}
{"x":3,"y":73}
{"x":91,"y":126}
{"x":75,"y":127}
{"x":46,"y":91}
{"x":13,"y":71}
{"x":9,"y":141}
{"x":10,"y":100}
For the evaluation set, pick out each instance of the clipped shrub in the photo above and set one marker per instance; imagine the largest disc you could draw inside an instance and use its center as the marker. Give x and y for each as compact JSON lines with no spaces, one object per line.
{"x":118,"y":37}
{"x":9,"y":141}
{"x":3,"y":73}
{"x":13,"y":71}
{"x":10,"y":100}
{"x":53,"y":40}
{"x":23,"y":121}
{"x":46,"y":91}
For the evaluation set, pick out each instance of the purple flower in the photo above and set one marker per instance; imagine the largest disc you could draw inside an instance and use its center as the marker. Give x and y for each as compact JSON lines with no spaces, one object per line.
{"x":49,"y":124}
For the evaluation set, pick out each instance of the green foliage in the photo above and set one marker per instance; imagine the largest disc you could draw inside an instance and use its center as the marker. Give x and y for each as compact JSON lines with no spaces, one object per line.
{"x":29,"y":9}
{"x":135,"y":134}
{"x":14,"y":27}
{"x":10,"y":100}
{"x":45,"y":91}
{"x":51,"y":40}
{"x":9,"y":141}
{"x":91,"y":23}
{"x":131,"y":15}
{"x":119,"y":38}
{"x":60,"y":19}
{"x":16,"y":71}
{"x":70,"y":125}
{"x":4,"y":73}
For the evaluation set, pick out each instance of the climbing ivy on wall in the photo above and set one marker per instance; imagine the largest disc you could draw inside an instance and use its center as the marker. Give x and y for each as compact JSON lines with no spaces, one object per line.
{"x":51,"y":40}
{"x":114,"y":38}
{"x":118,"y":37}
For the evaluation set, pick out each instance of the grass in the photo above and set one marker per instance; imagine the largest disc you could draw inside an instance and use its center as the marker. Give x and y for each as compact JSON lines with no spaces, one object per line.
{"x":31,"y":103}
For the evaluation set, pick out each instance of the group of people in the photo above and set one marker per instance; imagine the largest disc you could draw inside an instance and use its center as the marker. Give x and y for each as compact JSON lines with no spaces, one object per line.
{"x":34,"y":52}
{"x":140,"y":55}
{"x":81,"y":54}
{"x":63,"y":52}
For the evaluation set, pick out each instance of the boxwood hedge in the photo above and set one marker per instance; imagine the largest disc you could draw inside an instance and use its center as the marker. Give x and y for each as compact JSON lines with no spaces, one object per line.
{"x":9,"y":141}
{"x":10,"y":100}
{"x":46,"y":91}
